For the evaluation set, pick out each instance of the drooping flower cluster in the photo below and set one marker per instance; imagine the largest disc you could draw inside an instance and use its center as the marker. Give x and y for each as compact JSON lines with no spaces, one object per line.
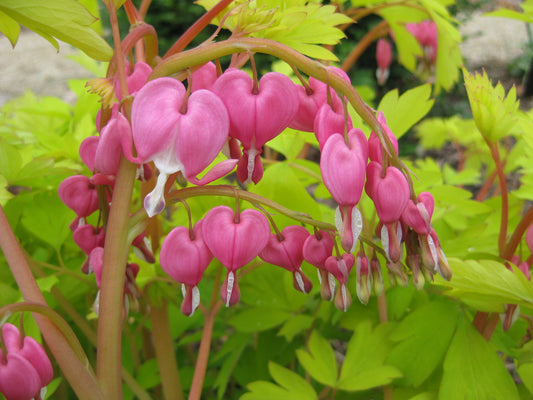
{"x":182,"y":129}
{"x":24,"y":366}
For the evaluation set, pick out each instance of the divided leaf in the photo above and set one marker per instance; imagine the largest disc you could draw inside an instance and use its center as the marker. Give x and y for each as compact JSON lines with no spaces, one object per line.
{"x":66,"y":20}
{"x":319,"y":361}
{"x":402,"y":112}
{"x":473,"y":370}
{"x":364,"y":365}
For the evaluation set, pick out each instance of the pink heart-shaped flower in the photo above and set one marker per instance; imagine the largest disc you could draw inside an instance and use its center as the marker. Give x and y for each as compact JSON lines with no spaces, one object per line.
{"x":287,"y":253}
{"x":418,"y":216}
{"x":185,"y":258}
{"x":235,"y":243}
{"x":79,"y":194}
{"x":87,"y":237}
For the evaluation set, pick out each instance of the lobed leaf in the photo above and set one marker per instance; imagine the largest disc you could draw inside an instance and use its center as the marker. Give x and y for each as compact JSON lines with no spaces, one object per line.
{"x":65,"y":20}
{"x":319,"y":361}
{"x":473,"y":370}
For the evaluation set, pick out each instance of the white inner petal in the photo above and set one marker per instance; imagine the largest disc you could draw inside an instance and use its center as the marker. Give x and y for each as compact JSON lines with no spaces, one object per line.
{"x":229,"y":287}
{"x":300,"y":281}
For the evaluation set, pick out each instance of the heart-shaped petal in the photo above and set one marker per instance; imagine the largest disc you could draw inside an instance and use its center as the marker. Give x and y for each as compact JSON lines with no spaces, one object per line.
{"x":235,"y":243}
{"x":317,"y":248}
{"x":87,"y":237}
{"x":79,"y":194}
{"x":418,"y":216}
{"x":251,"y":114}
{"x":18,"y":379}
{"x":287,"y":253}
{"x":185,"y":258}
{"x":343,"y":167}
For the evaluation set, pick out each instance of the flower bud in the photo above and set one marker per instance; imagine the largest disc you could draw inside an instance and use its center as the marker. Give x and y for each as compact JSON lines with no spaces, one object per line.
{"x":364,"y":278}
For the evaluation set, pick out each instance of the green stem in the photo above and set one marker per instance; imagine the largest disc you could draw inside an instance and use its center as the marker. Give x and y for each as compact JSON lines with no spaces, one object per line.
{"x":79,"y":375}
{"x":164,"y":351}
{"x":108,"y":361}
{"x":230,"y":191}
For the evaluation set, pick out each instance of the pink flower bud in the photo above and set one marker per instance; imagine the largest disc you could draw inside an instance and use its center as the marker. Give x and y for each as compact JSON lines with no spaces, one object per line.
{"x":375,"y":149}
{"x":204,"y":77}
{"x":87,"y":237}
{"x":250,"y":113}
{"x":88,"y":151}
{"x":384,"y":59}
{"x":340,"y":268}
{"x":234,"y":240}
{"x":316,"y":250}
{"x":311,"y":102}
{"x":329,"y":121}
{"x":288,"y":254}
{"x":364,"y":278}
{"x":135,"y":80}
{"x":418,"y":216}
{"x":426,"y":34}
{"x":389,"y":192}
{"x":79,"y":194}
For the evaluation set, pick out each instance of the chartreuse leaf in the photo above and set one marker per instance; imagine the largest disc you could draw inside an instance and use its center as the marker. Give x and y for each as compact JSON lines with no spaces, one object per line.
{"x":526,"y":374}
{"x":494,"y":113}
{"x":364,"y":365}
{"x":402,"y":112}
{"x":292,"y":386}
{"x":526,"y":15}
{"x":48,"y":218}
{"x":319,"y":361}
{"x":473,"y":370}
{"x":256,"y":319}
{"x":300,"y":24}
{"x":289,"y":143}
{"x":10,"y":28}
{"x":294,"y":325}
{"x":66,"y":20}
{"x":422,"y":340}
{"x":488,"y":284}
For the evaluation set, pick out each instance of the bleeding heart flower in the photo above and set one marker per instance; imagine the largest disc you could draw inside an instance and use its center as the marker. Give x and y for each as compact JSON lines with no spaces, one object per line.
{"x":340,"y":268}
{"x":312,"y":99}
{"x":375,"y":149}
{"x":425,"y":32}
{"x":178,"y":136}
{"x":234,"y":240}
{"x":287,"y":252}
{"x":25,"y":368}
{"x":329,"y":121}
{"x":316,"y":250}
{"x":257,"y":115}
{"x":88,"y":151}
{"x":184,"y":257}
{"x":87,"y":237}
{"x":364,"y":278}
{"x":343,"y":170}
{"x":135,"y":80}
{"x":79,"y":194}
{"x":384,"y":59}
{"x":204,"y":77}
{"x":418,"y":216}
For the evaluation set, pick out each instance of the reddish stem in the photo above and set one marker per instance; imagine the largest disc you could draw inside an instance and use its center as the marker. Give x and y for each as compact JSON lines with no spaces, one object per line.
{"x":196,"y":28}
{"x":505,"y":200}
{"x":376,"y":32}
